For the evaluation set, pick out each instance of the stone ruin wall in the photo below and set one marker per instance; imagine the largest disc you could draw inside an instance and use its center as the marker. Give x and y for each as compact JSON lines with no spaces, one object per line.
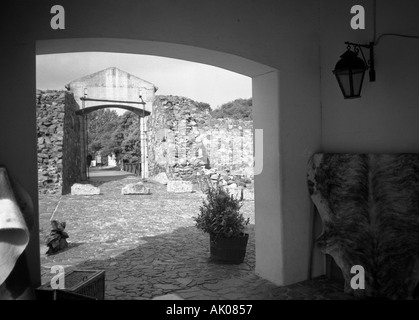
{"x":50,"y":127}
{"x":58,"y":144}
{"x":185,"y":142}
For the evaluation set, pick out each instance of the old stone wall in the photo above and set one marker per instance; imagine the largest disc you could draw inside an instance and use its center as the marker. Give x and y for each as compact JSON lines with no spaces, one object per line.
{"x":185,"y":140}
{"x":50,"y":127}
{"x":58,"y":141}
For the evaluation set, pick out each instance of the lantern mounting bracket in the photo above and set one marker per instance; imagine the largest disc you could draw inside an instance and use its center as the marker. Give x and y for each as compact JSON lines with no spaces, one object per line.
{"x":370,"y":63}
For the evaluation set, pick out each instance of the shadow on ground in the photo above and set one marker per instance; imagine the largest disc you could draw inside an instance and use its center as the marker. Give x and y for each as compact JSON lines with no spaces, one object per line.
{"x":176,"y":262}
{"x":179,"y":263}
{"x":71,"y":246}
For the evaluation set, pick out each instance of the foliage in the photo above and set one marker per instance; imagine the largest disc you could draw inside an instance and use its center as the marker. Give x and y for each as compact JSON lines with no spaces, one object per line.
{"x":220,"y":214}
{"x":101,"y":124}
{"x":102,"y":120}
{"x":131,"y":147}
{"x":203,"y":106}
{"x":127,"y":121}
{"x":131,"y":144}
{"x":110,"y":133}
{"x":237,"y":109}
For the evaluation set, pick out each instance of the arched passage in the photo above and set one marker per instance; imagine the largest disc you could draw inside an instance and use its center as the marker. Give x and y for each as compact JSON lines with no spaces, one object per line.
{"x":265,"y":92}
{"x":138,"y":112}
{"x":83,"y":112}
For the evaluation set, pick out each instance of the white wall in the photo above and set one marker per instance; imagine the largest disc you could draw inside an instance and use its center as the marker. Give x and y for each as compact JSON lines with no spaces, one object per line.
{"x":386,"y":118}
{"x":269,"y":224}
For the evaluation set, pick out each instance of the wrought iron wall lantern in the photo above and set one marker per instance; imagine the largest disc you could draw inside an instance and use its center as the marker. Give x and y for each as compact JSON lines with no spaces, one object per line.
{"x":350,"y":69}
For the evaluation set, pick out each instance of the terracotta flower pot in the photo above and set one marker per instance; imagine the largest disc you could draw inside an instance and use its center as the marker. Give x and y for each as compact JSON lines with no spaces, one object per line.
{"x":228,"y":250}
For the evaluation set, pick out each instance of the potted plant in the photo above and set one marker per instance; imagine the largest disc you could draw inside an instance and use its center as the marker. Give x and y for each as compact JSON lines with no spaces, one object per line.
{"x":220,"y":217}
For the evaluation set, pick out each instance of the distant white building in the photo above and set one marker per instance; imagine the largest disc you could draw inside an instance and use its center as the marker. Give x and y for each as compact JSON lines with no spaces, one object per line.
{"x":112,"y":160}
{"x":98,"y":159}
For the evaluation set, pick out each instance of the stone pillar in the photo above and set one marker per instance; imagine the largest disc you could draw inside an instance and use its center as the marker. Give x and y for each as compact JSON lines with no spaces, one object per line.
{"x":71,"y":145}
{"x":83,"y":144}
{"x":145,"y":148}
{"x":142,"y":141}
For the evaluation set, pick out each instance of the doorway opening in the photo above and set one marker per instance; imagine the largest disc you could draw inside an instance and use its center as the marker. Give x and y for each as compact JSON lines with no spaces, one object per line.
{"x":164,"y":139}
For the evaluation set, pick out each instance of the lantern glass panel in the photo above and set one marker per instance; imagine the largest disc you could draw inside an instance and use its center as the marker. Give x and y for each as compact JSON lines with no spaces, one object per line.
{"x":350,"y":82}
{"x":343,"y":78}
{"x":358,"y":77}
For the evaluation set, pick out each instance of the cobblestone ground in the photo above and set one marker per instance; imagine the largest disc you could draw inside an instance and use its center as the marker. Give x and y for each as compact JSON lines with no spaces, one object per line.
{"x":149,"y":246}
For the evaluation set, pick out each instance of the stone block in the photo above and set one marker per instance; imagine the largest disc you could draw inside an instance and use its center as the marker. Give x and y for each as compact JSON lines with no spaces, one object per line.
{"x":179,"y":186}
{"x":248,"y":194}
{"x":135,"y":188}
{"x":79,"y":189}
{"x":161,"y":178}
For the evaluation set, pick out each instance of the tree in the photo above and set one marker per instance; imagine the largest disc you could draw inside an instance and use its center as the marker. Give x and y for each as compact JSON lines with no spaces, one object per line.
{"x":101,"y":126}
{"x":237,"y":109}
{"x":128,"y":137}
{"x":102,"y":120}
{"x":127,"y":120}
{"x":203,"y":106}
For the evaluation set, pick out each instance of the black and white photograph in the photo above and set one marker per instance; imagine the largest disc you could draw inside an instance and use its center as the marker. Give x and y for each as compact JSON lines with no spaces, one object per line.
{"x":207,"y":158}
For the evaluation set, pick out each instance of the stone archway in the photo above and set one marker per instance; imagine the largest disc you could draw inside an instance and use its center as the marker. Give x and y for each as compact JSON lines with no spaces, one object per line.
{"x":138,"y":112}
{"x":265,"y":83}
{"x":83,"y":112}
{"x":109,"y":88}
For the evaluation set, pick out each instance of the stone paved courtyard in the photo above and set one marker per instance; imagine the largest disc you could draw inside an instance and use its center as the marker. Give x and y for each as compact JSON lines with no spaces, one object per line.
{"x":149,"y":246}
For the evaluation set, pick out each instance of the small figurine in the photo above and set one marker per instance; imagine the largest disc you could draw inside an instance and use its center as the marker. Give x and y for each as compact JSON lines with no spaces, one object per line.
{"x":56,"y":240}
